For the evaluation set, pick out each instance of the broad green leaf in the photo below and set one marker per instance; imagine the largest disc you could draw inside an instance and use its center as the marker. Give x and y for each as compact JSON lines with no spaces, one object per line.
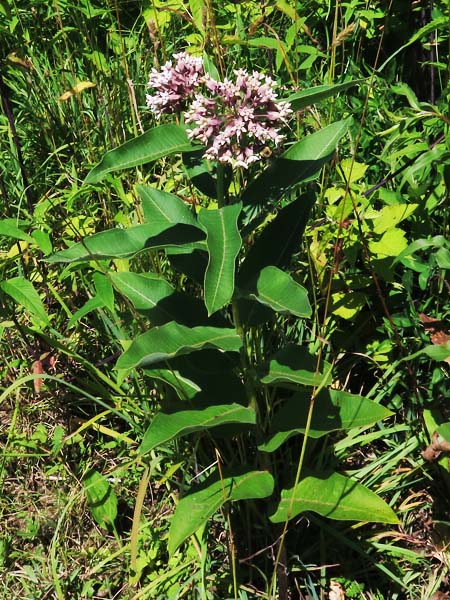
{"x":124,"y":243}
{"x":293,"y":364}
{"x":23,"y":293}
{"x":198,"y":11}
{"x":278,"y":241}
{"x":42,"y":239}
{"x":101,"y":499}
{"x":146,"y":290}
{"x":172,"y":339}
{"x":444,"y":431}
{"x":276,"y":289}
{"x":198,"y":506}
{"x":223,"y":242}
{"x":333,"y":410}
{"x":162,"y":207}
{"x":348,"y":304}
{"x":389,"y":216}
{"x":91,"y":305}
{"x":351,"y":171}
{"x":160,"y":302}
{"x":104,"y":290}
{"x":208,"y":373}
{"x":334,"y":496}
{"x":438,"y":352}
{"x":9,"y":228}
{"x":442,"y":258}
{"x":301,"y":161}
{"x":167,"y":426}
{"x":184,"y":387}
{"x":392,"y":243}
{"x":318,"y":93}
{"x":438,"y":241}
{"x":151,"y":145}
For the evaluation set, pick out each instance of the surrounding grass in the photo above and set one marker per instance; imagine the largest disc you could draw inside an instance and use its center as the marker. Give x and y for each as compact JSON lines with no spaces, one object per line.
{"x":66,"y":413}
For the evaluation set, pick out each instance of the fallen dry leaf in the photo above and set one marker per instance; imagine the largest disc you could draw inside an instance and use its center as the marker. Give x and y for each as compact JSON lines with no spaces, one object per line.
{"x":437,"y":446}
{"x":437,"y":329}
{"x":37,"y":369}
{"x":336,"y":592}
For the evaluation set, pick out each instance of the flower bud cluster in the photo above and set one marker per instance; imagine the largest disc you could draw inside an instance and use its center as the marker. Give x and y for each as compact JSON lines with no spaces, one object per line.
{"x":235,"y":120}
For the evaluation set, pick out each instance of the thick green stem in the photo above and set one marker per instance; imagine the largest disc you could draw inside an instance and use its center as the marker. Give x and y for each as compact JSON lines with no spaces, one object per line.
{"x":245,"y":360}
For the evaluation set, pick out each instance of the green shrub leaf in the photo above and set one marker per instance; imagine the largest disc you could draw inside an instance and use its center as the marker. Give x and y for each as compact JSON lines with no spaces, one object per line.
{"x":301,"y":161}
{"x":334,"y":496}
{"x":162,"y":207}
{"x":276,"y":289}
{"x":293,"y":364}
{"x":101,"y":498}
{"x":333,"y":410}
{"x":151,"y":145}
{"x":173,"y":339}
{"x":125,"y":243}
{"x":278,"y":241}
{"x":198,"y":506}
{"x":22,"y":291}
{"x":168,"y":426}
{"x":318,"y":93}
{"x":223,"y":242}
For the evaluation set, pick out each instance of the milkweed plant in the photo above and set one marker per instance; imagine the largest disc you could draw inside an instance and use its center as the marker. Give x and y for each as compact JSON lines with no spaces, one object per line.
{"x":232,"y":376}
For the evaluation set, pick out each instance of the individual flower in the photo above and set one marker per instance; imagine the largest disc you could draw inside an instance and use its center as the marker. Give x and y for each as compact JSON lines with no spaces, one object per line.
{"x":237,"y":120}
{"x":174,"y":84}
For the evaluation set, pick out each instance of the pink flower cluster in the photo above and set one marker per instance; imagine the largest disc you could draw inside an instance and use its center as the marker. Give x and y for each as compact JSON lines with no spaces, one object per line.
{"x":235,"y":120}
{"x":174,"y":85}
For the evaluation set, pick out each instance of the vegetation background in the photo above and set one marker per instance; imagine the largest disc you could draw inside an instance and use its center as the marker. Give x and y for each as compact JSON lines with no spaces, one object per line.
{"x":83,"y":515}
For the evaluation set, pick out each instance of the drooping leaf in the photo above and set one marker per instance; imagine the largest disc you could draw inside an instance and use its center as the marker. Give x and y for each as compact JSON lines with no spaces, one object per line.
{"x":293,"y":364}
{"x":9,"y":228}
{"x":161,"y":207}
{"x":278,"y":241}
{"x":125,"y":243}
{"x":199,"y":505}
{"x":333,"y":410}
{"x":151,"y":145}
{"x":101,"y":499}
{"x":276,"y":288}
{"x":334,"y":496}
{"x":301,"y":161}
{"x":223,"y":242}
{"x":318,"y":93}
{"x":23,"y":293}
{"x":208,"y":373}
{"x":155,"y":298}
{"x":172,"y":339}
{"x":167,"y":426}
